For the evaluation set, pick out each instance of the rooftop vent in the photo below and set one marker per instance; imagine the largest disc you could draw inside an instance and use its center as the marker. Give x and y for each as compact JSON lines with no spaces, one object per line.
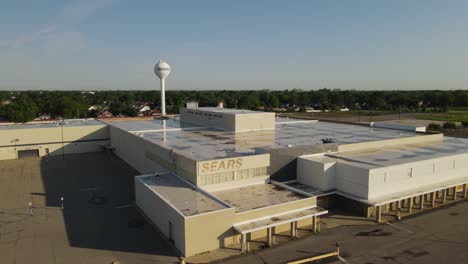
{"x":327,"y":140}
{"x":191,"y":104}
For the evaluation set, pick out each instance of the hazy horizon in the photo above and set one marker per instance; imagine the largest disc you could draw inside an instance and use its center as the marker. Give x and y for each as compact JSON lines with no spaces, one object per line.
{"x":242,"y":45}
{"x":157,"y":89}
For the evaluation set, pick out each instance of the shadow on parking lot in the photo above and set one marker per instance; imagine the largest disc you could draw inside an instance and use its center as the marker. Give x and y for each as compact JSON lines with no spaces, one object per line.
{"x":98,"y":193}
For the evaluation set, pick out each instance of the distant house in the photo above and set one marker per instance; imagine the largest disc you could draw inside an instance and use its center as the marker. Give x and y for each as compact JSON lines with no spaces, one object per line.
{"x":93,"y":108}
{"x":144,"y":109}
{"x":105,"y":114}
{"x":309,"y":109}
{"x":147,"y":111}
{"x":279,"y":109}
{"x":5,"y":102}
{"x":43,"y":117}
{"x":154,"y":112}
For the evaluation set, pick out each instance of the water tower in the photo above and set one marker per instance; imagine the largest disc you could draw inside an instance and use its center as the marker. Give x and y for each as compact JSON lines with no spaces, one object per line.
{"x":162,"y":70}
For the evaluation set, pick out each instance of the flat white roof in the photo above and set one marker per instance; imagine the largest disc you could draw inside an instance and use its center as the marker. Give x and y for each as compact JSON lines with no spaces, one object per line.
{"x":182,"y":196}
{"x":256,"y":196}
{"x":227,"y":110}
{"x":288,"y":217}
{"x":375,"y":158}
{"x":305,"y":188}
{"x":49,"y":124}
{"x":412,"y":122}
{"x":409,"y":193}
{"x":156,"y":125}
{"x":201,"y":143}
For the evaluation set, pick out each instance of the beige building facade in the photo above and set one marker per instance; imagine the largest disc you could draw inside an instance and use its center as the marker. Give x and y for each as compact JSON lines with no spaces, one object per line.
{"x":218,"y":177}
{"x":53,"y":138}
{"x":228,"y":119}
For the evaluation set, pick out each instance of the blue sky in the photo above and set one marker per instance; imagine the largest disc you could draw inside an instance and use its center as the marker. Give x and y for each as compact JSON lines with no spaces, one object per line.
{"x":113,"y":44}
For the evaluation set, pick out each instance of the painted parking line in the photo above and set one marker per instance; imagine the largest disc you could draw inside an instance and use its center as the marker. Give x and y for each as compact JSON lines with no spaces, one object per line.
{"x":401,"y":228}
{"x":88,"y":189}
{"x":124,"y":206}
{"x":340,"y":258}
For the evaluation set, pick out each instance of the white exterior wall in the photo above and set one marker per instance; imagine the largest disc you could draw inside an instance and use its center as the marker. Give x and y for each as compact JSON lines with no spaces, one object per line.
{"x":161,"y":213}
{"x":317,"y":174}
{"x":352,"y":180}
{"x":409,"y":176}
{"x":399,"y":127}
{"x":381,"y":144}
{"x":373,"y":183}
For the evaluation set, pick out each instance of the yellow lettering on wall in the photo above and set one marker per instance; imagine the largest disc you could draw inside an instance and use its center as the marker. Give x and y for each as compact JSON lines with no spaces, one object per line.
{"x":214,"y":166}
{"x":206,"y":167}
{"x":220,"y":166}
{"x":238,"y":163}
{"x":230,"y":165}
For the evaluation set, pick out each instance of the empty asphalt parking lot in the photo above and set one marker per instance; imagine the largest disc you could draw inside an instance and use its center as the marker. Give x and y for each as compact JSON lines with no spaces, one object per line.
{"x":439,"y":236}
{"x":96,"y":224}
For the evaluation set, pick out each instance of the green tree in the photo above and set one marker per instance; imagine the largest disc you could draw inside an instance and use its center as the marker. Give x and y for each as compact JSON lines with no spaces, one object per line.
{"x":73,"y":107}
{"x":22,"y":110}
{"x":445,"y":100}
{"x":273,"y":101}
{"x":249,"y":101}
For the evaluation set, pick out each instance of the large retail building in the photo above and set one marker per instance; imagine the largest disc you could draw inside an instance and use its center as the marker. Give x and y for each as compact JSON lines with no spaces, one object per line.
{"x":214,"y":177}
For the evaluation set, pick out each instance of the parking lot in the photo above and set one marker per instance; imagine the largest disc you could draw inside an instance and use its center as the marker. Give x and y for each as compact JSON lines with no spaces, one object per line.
{"x":438,"y":236}
{"x":97,"y":225}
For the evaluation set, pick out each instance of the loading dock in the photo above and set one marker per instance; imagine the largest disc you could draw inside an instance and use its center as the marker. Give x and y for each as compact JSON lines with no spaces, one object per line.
{"x":419,"y":202}
{"x":271,"y":222}
{"x":28,"y":153}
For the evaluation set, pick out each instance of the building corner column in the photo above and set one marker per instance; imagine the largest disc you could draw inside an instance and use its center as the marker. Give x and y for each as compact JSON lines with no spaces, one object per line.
{"x":433,"y":199}
{"x":410,"y":206}
{"x":314,"y":224}
{"x":269,"y":236}
{"x":378,"y":214}
{"x":421,"y":200}
{"x":243,"y":243}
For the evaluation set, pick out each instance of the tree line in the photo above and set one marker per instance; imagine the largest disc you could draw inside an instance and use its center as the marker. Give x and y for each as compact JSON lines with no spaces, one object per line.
{"x":23,"y":106}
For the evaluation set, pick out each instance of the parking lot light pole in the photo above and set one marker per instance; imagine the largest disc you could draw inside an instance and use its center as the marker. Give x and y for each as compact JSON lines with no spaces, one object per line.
{"x":63,"y":148}
{"x":16,"y":151}
{"x":30,"y":209}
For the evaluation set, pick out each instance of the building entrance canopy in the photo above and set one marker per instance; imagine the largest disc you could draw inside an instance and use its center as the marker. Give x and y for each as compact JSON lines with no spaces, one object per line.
{"x":276,"y":220}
